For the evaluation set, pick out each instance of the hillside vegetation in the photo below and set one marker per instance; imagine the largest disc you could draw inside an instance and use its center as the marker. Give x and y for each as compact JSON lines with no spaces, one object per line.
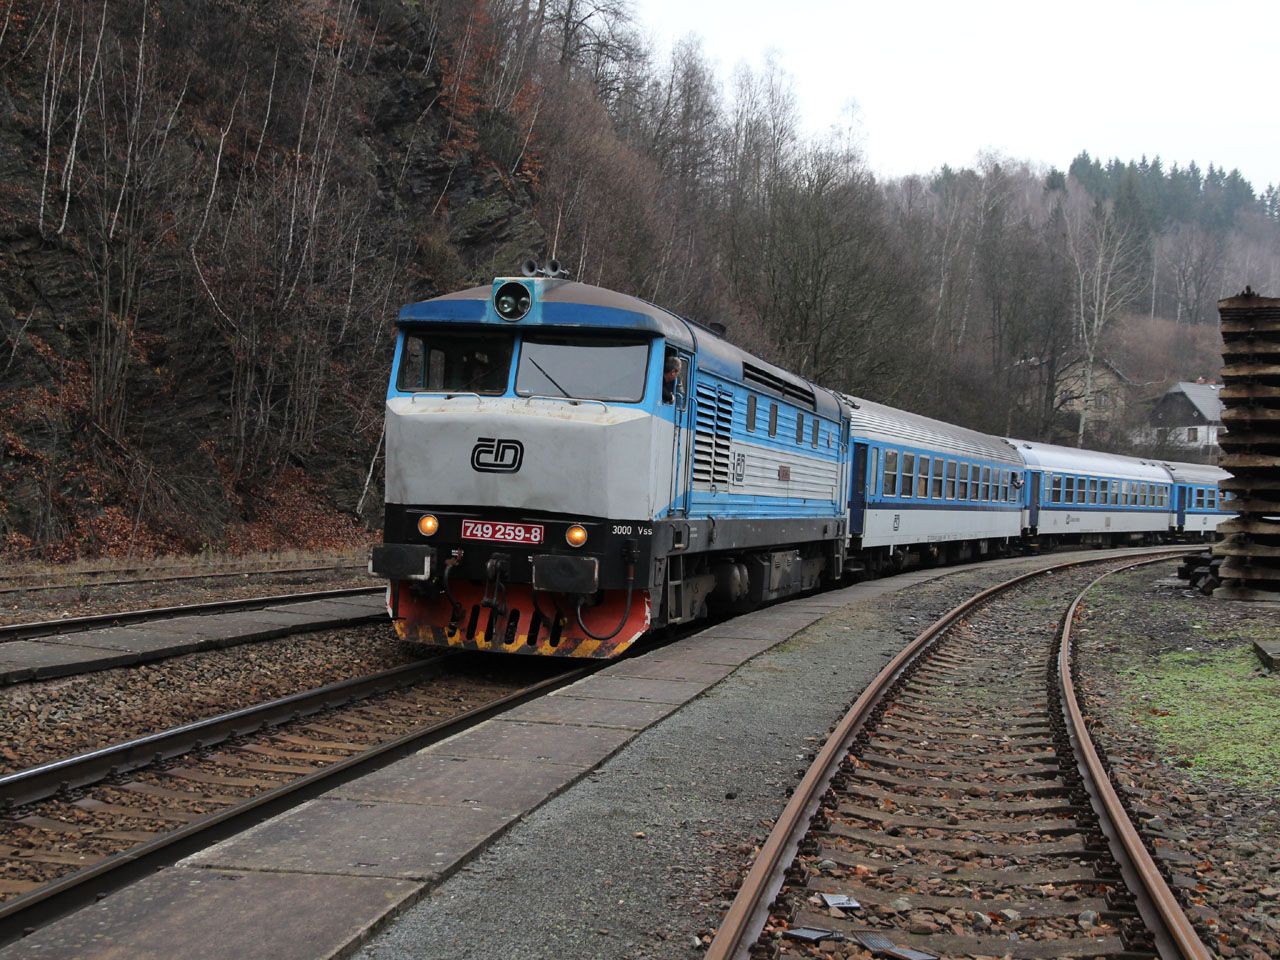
{"x":211,"y":210}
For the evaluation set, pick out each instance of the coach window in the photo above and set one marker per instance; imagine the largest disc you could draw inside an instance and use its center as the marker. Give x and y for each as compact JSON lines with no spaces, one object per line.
{"x":1082,"y":489}
{"x":773,"y":419}
{"x":751,"y":413}
{"x":1004,"y":485}
{"x":951,"y":480}
{"x":922,"y":479}
{"x":890,"y":486}
{"x":908,"y":473}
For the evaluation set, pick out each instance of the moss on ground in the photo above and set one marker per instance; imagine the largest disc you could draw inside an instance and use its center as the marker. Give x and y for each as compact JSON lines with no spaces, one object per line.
{"x":1218,"y":709}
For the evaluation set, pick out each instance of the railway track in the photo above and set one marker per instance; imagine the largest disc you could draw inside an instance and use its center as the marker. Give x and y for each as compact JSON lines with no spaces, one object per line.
{"x":9,"y":586}
{"x":959,"y":809}
{"x":44,"y":628}
{"x":77,"y":827}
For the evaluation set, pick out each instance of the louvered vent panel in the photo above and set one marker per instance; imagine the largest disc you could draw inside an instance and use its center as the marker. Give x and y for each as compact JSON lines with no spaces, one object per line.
{"x":711,"y":437}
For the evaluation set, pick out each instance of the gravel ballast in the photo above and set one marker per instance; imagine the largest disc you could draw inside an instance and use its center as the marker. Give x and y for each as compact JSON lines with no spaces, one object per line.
{"x":1197,"y":758}
{"x":642,"y":858}
{"x":49,"y":719}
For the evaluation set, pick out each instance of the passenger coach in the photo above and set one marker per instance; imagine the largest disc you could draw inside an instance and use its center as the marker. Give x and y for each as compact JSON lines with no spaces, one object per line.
{"x":1082,"y":496}
{"x":946,"y":491}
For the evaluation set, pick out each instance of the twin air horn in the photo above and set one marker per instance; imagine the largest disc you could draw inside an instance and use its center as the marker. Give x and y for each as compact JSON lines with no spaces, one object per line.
{"x":552,"y":269}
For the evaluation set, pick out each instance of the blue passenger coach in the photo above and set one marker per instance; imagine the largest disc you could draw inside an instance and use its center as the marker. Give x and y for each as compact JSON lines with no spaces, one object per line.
{"x":954,"y":492}
{"x":1089,"y":497}
{"x":1198,"y":505}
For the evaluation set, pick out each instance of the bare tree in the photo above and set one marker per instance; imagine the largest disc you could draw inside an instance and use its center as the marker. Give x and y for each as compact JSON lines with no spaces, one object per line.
{"x":1105,"y":256}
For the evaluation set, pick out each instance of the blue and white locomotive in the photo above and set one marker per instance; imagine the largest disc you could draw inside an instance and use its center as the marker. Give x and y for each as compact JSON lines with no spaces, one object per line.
{"x":569,"y":468}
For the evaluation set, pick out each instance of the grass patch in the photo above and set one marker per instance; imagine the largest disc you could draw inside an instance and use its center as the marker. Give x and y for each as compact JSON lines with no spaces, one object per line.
{"x":1217,"y":709}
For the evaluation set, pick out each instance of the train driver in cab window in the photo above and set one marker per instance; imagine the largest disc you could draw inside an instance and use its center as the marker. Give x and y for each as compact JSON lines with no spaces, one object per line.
{"x":672,"y":377}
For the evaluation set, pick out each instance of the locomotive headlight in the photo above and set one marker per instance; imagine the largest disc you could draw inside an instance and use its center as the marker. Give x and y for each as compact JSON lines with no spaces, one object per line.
{"x":428,"y":525}
{"x":512,"y":301}
{"x":576,"y":535}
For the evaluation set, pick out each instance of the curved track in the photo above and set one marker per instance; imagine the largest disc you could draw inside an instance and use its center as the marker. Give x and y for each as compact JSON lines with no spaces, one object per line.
{"x":911,"y":744}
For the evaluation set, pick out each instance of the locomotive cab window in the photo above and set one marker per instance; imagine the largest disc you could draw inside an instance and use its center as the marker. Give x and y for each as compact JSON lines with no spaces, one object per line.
{"x":455,"y":363}
{"x":583,"y":368}
{"x":675,"y":376}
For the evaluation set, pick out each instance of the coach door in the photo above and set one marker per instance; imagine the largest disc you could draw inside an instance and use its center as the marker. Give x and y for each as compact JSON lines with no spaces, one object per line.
{"x":858,"y":491}
{"x":1034,"y":481}
{"x":1180,"y":494}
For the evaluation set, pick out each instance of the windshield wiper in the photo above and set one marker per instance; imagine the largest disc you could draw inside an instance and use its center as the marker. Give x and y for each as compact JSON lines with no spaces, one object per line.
{"x":550,"y":378}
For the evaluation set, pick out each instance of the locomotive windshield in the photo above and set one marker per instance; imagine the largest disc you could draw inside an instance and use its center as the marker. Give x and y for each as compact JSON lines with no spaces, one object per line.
{"x":455,"y":363}
{"x":583,"y":368}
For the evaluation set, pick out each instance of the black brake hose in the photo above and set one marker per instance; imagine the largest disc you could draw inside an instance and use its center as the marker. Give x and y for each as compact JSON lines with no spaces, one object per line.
{"x":456,"y":612}
{"x":626,"y":611}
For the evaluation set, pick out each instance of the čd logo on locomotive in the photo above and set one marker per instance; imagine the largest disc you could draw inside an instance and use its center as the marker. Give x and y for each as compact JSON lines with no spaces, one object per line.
{"x":497,"y":455}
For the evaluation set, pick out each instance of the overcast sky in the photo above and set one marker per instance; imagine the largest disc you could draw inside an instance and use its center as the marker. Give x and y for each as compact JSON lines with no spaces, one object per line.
{"x":937,"y":82}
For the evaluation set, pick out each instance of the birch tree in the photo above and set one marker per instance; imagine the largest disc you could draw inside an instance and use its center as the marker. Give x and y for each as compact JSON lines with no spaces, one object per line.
{"x":1105,"y":257}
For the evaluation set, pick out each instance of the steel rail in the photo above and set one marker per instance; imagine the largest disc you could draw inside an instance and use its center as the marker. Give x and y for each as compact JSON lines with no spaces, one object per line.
{"x":171,"y":578}
{"x":52,"y":900}
{"x":44,"y":628}
{"x":1176,"y":938}
{"x":747,"y":914}
{"x":82,"y":770}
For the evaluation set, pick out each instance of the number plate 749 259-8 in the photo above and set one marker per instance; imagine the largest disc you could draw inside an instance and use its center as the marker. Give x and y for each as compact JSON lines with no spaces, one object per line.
{"x":531,"y":533}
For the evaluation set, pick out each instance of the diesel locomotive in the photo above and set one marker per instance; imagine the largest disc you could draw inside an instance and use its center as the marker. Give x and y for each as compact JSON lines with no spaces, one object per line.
{"x":569,"y":468}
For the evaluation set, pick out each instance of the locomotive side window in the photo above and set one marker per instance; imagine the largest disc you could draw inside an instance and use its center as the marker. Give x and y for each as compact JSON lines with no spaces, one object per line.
{"x":583,"y":368}
{"x":800,"y":428}
{"x":773,"y":419}
{"x":462,"y":363}
{"x":814,"y":442}
{"x":751,"y":413}
{"x":890,"y":486}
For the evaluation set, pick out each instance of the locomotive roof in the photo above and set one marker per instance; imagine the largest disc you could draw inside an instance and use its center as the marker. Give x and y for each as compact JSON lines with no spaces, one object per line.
{"x":1195,"y":472}
{"x":875,"y":421}
{"x":1049,"y":456}
{"x":556,"y":303}
{"x":569,"y":305}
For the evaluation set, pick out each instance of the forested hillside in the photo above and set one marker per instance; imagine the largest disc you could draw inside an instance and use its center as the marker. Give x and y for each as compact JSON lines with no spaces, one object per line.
{"x":211,"y":211}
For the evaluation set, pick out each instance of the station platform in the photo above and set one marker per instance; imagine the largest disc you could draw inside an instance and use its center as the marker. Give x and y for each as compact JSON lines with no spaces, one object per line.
{"x":608,"y":819}
{"x":84,"y":651}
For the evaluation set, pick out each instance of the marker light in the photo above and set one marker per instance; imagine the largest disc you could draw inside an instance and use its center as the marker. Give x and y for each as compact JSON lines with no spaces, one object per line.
{"x":428,"y":525}
{"x":576,"y":535}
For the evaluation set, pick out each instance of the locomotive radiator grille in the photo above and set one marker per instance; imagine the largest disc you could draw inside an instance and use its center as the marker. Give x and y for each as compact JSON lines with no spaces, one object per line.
{"x":712,"y":437}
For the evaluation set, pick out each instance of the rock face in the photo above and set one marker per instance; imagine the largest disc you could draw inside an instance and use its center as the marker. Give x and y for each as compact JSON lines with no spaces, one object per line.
{"x":200,"y":260}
